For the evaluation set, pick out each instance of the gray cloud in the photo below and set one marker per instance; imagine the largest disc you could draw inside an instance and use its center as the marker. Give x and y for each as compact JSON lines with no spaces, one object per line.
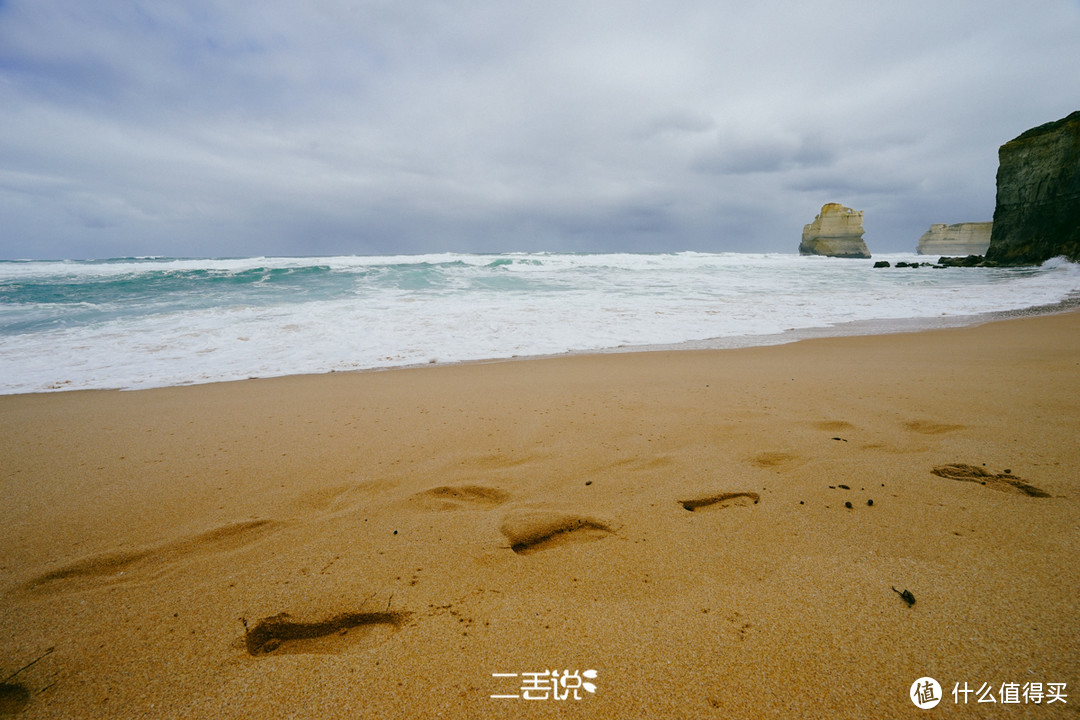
{"x":214,"y":127}
{"x":741,"y":155}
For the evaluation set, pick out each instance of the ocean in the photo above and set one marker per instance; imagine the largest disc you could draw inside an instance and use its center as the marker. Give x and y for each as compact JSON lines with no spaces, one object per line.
{"x":133,"y":323}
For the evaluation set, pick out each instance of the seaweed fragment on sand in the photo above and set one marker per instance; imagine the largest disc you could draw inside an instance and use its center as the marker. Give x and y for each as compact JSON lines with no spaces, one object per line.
{"x":905,"y":595}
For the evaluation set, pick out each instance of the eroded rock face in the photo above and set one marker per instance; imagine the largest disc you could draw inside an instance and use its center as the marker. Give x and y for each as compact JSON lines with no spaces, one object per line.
{"x":960,"y":239}
{"x":1037,"y":216}
{"x":837,"y":231}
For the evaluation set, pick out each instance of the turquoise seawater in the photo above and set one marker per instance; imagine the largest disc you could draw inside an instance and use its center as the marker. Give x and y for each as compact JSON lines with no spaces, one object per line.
{"x":143,"y":322}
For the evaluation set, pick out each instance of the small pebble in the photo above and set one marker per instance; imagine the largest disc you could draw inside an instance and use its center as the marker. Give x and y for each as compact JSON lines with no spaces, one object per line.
{"x":870,"y":501}
{"x":847,"y":505}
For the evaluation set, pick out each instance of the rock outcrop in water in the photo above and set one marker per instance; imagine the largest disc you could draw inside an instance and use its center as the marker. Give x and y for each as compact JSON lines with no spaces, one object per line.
{"x":1037,"y":216}
{"x":959,"y":239}
{"x":837,"y":231}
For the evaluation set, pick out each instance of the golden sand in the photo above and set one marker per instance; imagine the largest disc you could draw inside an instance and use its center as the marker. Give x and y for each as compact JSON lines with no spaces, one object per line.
{"x":380,"y":545}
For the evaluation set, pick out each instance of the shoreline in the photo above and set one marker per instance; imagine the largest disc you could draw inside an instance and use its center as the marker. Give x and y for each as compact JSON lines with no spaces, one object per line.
{"x":693,"y":298}
{"x":857,"y":328}
{"x":677,"y":520}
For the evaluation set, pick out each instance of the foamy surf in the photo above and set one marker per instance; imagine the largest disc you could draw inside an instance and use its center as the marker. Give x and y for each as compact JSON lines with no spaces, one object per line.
{"x":148,"y":322}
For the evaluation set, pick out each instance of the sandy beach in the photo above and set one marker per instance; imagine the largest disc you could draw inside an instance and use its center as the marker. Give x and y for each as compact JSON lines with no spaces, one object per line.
{"x":718,"y":534}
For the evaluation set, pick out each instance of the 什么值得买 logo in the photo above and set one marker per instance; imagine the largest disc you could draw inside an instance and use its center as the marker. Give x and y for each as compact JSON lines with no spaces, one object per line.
{"x":925,"y":693}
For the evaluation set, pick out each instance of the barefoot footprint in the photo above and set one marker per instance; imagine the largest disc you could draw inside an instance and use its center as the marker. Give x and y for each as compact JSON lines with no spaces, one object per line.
{"x":457,"y":497}
{"x":723,"y":500}
{"x":1005,"y":482}
{"x":282,"y":634}
{"x":122,"y":565}
{"x":534,"y":530}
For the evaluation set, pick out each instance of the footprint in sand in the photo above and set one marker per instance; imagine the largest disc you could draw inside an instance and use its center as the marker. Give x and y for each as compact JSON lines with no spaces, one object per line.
{"x":534,"y":530}
{"x":723,"y":500}
{"x":459,"y":497}
{"x":928,"y":427}
{"x":337,"y":498}
{"x":833,"y":425}
{"x":13,"y":698}
{"x":119,"y":566}
{"x":775,"y":459}
{"x":499,"y":461}
{"x":281,"y":634}
{"x":1005,"y":482}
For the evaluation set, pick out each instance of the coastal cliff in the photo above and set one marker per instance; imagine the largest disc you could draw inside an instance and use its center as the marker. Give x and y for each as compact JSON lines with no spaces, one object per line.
{"x":837,"y":231}
{"x":960,"y":239}
{"x":1037,"y":215}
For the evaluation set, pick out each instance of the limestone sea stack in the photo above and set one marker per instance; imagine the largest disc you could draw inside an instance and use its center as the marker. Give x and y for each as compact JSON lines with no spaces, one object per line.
{"x":1037,"y":215}
{"x":959,"y":240}
{"x":837,"y":231}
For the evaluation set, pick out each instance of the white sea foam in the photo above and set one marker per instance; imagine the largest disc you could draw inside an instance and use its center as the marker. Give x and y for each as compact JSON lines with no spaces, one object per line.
{"x":151,"y":322}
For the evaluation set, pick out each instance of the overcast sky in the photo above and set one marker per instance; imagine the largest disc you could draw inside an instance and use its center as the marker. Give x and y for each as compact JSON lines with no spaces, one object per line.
{"x":228,"y":127}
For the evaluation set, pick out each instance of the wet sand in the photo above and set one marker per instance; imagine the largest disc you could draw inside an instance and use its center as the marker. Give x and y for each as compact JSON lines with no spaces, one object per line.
{"x":382,"y":544}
